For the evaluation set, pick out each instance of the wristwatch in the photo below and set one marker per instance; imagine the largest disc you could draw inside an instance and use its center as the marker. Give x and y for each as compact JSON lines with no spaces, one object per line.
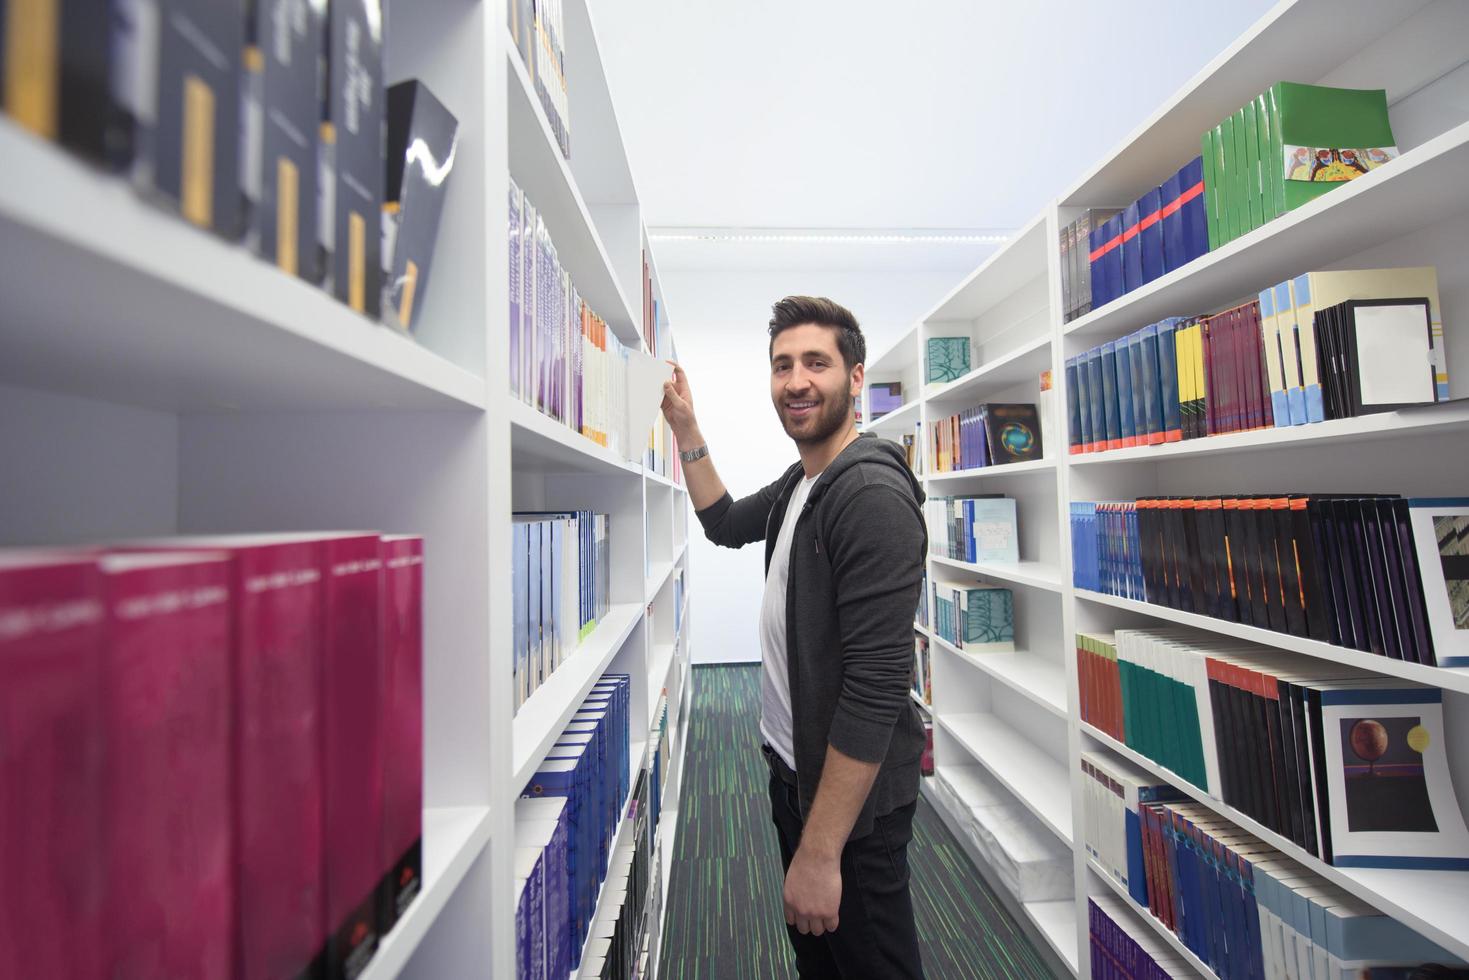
{"x":691,"y":455}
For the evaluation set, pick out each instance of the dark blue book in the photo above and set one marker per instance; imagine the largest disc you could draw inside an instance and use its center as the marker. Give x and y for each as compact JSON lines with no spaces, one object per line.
{"x":1073,"y":409}
{"x":1175,"y":249}
{"x":1110,"y":413}
{"x":1112,"y":230}
{"x":1168,"y":380}
{"x":1195,"y":218}
{"x":1084,"y":404}
{"x":1132,"y":248}
{"x":1124,"y":394}
{"x":1098,"y":399}
{"x":1150,"y":234}
{"x":1134,"y":342}
{"x":570,"y":779}
{"x":1152,"y":384}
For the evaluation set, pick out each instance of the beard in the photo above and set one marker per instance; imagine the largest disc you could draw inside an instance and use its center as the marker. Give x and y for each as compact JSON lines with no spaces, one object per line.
{"x":827,"y":421}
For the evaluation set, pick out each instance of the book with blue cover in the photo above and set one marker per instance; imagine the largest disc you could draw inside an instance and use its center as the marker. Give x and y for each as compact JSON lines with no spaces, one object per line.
{"x":1150,"y":235}
{"x":1168,"y":380}
{"x":947,"y":359}
{"x":1132,"y":249}
{"x":1195,"y":220}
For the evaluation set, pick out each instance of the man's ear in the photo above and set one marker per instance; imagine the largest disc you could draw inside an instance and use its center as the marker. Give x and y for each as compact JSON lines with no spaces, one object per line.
{"x":859,"y":373}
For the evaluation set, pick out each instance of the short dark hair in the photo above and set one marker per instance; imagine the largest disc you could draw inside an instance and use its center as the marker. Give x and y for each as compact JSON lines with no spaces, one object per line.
{"x":795,"y":311}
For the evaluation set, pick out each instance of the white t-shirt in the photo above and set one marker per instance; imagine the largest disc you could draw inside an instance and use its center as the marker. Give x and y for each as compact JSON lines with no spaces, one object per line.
{"x":775,"y":685}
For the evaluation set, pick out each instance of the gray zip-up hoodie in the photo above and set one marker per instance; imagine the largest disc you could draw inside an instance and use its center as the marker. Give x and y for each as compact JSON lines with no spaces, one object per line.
{"x":857,"y":558}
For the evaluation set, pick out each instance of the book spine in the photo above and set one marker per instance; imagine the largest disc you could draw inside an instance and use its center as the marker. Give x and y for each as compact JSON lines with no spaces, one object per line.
{"x":403,"y":725}
{"x":1168,"y":383}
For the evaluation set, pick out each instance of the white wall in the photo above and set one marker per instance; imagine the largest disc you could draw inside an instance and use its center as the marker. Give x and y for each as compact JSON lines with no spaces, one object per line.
{"x":722,"y":342}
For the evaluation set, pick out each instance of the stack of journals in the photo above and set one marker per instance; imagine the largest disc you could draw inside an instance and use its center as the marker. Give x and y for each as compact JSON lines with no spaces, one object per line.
{"x":564,"y":360}
{"x":589,"y":771}
{"x":560,"y":567}
{"x":922,"y":676}
{"x":1242,"y":907}
{"x":1118,"y":954}
{"x":985,"y":435}
{"x":974,"y":617}
{"x":538,"y":28}
{"x":1366,"y":572}
{"x":979,"y":529}
{"x":1287,"y":146}
{"x":1030,"y":862}
{"x":213,"y":760}
{"x":1351,"y":766}
{"x":1107,"y":254}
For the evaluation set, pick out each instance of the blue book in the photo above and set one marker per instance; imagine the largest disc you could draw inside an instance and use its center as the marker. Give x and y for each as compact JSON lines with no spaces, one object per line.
{"x":1168,"y":380}
{"x":1111,"y":417}
{"x":543,"y":823}
{"x":1175,"y":251}
{"x":1097,"y":398}
{"x":519,"y":602}
{"x":535,"y":608}
{"x":1195,"y":217}
{"x":570,"y":779}
{"x":1074,"y":442}
{"x":1152,"y":384}
{"x":994,"y":531}
{"x":1132,"y":248}
{"x":549,"y":641}
{"x":573,"y":745}
{"x":1097,"y":263}
{"x":1134,"y":342}
{"x":1084,"y":403}
{"x":1125,"y":415}
{"x":1150,"y":234}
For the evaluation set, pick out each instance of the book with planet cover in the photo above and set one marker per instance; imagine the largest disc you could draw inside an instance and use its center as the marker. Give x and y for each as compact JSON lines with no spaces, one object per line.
{"x":1012,"y":433}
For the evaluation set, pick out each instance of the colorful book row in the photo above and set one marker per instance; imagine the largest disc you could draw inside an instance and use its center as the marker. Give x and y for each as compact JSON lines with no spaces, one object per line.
{"x":214,"y":755}
{"x":538,"y":28}
{"x":985,"y":435}
{"x":566,"y":821}
{"x":978,"y":529}
{"x":1350,"y":766}
{"x":979,"y":618}
{"x":560,"y":578}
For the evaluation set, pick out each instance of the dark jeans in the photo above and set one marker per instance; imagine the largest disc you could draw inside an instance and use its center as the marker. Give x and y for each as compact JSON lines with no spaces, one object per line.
{"x":876,"y":936}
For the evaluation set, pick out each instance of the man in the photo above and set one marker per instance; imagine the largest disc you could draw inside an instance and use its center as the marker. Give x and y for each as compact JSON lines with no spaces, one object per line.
{"x":844,"y":552}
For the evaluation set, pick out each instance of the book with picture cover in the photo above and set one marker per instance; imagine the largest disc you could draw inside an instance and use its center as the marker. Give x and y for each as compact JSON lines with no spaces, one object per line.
{"x":1012,"y":433}
{"x":947,"y":359}
{"x":169,"y":906}
{"x":1439,"y":529}
{"x":423,"y":137}
{"x":51,"y":770}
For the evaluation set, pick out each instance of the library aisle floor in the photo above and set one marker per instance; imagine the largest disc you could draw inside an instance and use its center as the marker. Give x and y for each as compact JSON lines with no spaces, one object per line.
{"x":724,"y":919}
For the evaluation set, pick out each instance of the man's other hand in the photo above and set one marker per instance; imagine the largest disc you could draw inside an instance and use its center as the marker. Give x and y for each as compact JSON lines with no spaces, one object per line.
{"x":813,"y":892}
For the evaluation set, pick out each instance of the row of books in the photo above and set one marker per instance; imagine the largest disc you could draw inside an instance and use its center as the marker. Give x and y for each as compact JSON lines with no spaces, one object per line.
{"x":560,"y":581}
{"x":1117,"y":953}
{"x":564,"y":848}
{"x":922,"y":673}
{"x":970,"y":616}
{"x":662,"y":451}
{"x":1029,"y":861}
{"x":912,"y":443}
{"x":1287,"y":146}
{"x":1106,"y":254}
{"x":1376,"y":573}
{"x":564,"y":361}
{"x":214,"y":754}
{"x":986,"y":435}
{"x":921,"y":616}
{"x":1242,"y":907}
{"x":1322,"y":346}
{"x":1351,"y":766}
{"x":206,"y":112}
{"x":538,"y":28}
{"x":976,"y":529}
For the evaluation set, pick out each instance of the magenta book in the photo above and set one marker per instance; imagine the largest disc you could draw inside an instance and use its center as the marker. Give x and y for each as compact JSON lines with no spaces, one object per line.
{"x":352,"y":748}
{"x":169,"y":909}
{"x":403,"y":723}
{"x":51,"y":758}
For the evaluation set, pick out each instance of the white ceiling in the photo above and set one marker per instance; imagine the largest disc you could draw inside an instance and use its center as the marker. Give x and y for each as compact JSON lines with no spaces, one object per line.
{"x":955,"y":114}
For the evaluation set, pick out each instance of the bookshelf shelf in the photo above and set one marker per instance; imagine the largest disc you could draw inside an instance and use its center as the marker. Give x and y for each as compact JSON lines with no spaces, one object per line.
{"x":546,"y":712}
{"x":540,"y":443}
{"x":1431,"y":902}
{"x":1163,"y":931}
{"x":1385,"y":204}
{"x":140,"y":308}
{"x":1025,"y":362}
{"x":453,"y":838}
{"x":1034,"y":574}
{"x":661,"y":663}
{"x":536,"y":164}
{"x":1031,"y":468}
{"x":923,"y":705}
{"x":1036,"y":780}
{"x":1435,"y":421}
{"x":657,"y":578}
{"x":1448,"y":678}
{"x":659,"y":479}
{"x":1028,"y":674}
{"x":1057,"y":923}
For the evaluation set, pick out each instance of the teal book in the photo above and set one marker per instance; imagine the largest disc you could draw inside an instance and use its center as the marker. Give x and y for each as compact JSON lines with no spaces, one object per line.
{"x":989,"y":618}
{"x":948,"y":358}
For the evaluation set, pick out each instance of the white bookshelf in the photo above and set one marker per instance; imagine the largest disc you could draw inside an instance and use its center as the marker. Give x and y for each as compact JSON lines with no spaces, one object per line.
{"x":155,"y":379}
{"x":1017,"y":714}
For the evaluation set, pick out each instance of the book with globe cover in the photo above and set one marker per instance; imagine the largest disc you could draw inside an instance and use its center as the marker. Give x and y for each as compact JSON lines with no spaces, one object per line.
{"x":1385,"y":795}
{"x":1012,"y":433}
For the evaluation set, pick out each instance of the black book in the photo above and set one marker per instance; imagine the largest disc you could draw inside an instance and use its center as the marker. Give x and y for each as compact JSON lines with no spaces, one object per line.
{"x":1235,"y":565}
{"x":1275,"y":801}
{"x":1177,"y":561}
{"x":1147,"y":533}
{"x":423,"y":137}
{"x":1290,"y":572}
{"x":1413,"y":583}
{"x":1210,"y":544}
{"x":1386,"y":348}
{"x":1254,"y":563}
{"x":1068,"y":295}
{"x":1271,"y":585}
{"x":1292,"y":826}
{"x":352,"y":150}
{"x":1306,"y":788}
{"x":1258,"y":785}
{"x":1383,"y":587}
{"x":1225,"y":739}
{"x":1322,"y":323}
{"x":1324,"y":571}
{"x":1341,"y":573}
{"x":1366,"y":586}
{"x":1188,"y":513}
{"x":1385,"y":528}
{"x":61,"y":89}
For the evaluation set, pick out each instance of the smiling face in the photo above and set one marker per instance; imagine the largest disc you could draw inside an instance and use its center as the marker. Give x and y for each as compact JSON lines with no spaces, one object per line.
{"x":810,"y":385}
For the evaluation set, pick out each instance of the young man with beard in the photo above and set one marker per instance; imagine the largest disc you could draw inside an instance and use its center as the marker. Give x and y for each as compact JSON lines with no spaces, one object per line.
{"x":844,"y":552}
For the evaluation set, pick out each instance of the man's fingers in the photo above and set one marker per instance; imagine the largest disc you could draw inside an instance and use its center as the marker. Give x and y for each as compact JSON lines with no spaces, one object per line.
{"x":817,"y":928}
{"x":790,"y":915}
{"x":832,"y":923}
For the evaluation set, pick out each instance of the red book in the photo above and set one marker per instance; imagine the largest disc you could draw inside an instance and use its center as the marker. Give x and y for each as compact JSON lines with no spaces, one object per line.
{"x":352,"y":748}
{"x":403,"y":723}
{"x":275,"y":660}
{"x":170,"y":908}
{"x":51,"y":758}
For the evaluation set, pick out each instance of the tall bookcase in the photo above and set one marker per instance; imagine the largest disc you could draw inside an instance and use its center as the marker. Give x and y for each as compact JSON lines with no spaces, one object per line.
{"x":156,"y":380}
{"x":1017,"y":715}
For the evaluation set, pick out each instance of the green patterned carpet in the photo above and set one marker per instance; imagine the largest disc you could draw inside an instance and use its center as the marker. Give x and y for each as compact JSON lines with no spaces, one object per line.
{"x":724,"y":910}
